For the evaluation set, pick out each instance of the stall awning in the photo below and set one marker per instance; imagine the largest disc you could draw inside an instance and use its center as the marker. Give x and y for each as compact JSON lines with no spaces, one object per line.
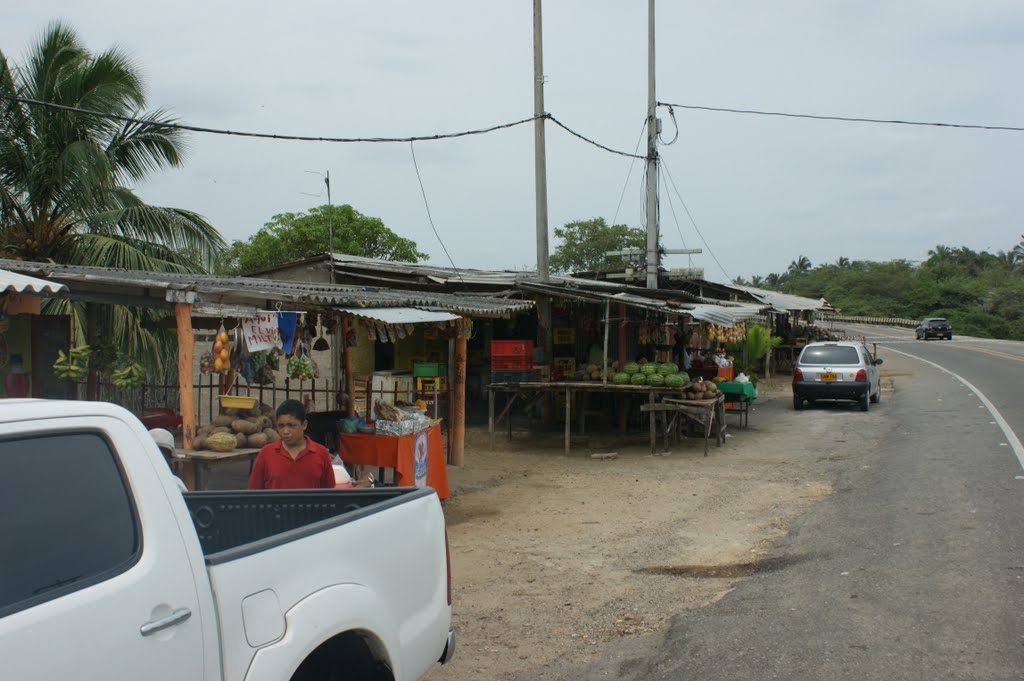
{"x":12,"y":282}
{"x":399,"y":315}
{"x":723,"y":316}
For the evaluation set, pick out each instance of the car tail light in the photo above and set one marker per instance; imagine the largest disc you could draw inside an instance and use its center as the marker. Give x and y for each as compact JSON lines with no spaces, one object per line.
{"x":862,"y":375}
{"x":448,"y":563}
{"x":798,"y":375}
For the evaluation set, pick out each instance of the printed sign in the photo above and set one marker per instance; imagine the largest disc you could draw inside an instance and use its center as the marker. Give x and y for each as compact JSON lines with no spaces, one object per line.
{"x":420,"y":453}
{"x":261,"y":332}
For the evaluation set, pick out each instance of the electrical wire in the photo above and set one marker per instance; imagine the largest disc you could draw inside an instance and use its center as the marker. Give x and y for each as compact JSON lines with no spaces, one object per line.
{"x":668,"y":174}
{"x":630,"y":173}
{"x":587,"y":139}
{"x":672,"y":209}
{"x":263,"y":135}
{"x":847,"y":119}
{"x":672,"y":113}
{"x":430,"y":218}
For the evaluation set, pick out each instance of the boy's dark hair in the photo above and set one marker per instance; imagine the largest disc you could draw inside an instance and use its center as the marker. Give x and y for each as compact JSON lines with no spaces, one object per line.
{"x":292,"y":408}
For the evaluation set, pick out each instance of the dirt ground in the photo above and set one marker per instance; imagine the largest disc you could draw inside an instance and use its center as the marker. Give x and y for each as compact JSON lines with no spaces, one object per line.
{"x":555,"y":555}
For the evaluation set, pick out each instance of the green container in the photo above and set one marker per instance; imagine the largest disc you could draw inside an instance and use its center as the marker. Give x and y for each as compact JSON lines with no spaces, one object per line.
{"x":429,"y":369}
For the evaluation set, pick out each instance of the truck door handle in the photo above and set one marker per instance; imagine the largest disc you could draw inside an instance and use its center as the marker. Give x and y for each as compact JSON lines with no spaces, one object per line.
{"x":176,"y":617}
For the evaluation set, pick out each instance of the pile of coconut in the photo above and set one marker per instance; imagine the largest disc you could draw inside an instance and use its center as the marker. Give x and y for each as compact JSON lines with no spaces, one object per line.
{"x":234,"y":428}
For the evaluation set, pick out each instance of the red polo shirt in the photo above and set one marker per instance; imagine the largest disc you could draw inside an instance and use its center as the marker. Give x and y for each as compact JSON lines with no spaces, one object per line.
{"x":276,"y":469}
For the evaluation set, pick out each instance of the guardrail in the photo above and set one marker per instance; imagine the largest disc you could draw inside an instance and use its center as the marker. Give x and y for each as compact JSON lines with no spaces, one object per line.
{"x":883,"y":321}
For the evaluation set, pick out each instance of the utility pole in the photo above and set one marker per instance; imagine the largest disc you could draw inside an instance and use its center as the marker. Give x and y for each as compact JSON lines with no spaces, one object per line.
{"x":330,"y":223}
{"x":541,"y":185}
{"x":652,"y":157}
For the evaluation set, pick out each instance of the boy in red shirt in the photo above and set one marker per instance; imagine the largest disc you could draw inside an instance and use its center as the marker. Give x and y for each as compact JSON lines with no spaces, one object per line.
{"x":294,"y":461}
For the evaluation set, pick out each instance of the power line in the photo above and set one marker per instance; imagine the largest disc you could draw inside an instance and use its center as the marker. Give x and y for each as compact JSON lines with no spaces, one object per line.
{"x":431,"y":219}
{"x":668,"y":173}
{"x":848,"y":119}
{"x":588,"y":140}
{"x":630,"y":173}
{"x":263,"y":135}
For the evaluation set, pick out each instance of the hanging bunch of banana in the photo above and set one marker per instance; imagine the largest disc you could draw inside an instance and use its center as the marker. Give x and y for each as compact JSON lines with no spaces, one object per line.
{"x":131,"y":376}
{"x":74,"y":365}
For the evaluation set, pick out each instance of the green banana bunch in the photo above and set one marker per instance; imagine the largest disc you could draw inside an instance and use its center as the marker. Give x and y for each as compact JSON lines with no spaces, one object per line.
{"x":130,"y":376}
{"x":73,"y":366}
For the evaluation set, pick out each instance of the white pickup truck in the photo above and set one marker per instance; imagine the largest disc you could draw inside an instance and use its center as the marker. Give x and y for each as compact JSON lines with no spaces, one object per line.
{"x":109,"y":572}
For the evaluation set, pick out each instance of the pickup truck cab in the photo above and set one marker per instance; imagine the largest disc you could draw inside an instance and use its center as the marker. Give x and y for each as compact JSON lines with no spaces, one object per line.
{"x":110,"y":572}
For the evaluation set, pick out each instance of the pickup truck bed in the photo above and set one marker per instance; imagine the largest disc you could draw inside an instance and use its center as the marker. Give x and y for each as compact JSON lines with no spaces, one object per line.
{"x":235,"y":524}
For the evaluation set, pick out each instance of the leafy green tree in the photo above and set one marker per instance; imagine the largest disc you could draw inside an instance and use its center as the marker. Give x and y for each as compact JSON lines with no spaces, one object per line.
{"x":585,"y":242}
{"x":799,"y":266}
{"x":294,"y":236}
{"x":67,"y":179}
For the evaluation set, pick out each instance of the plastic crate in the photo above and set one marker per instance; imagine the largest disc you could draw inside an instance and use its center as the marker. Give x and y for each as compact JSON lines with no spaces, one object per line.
{"x":512,"y":348}
{"x":511,"y":363}
{"x":430,"y":369}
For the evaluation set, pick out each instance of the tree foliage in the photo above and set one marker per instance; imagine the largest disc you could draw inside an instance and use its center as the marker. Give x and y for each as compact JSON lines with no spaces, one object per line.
{"x":67,"y":180}
{"x":294,"y":236}
{"x":584,"y":244}
{"x":981,"y":293}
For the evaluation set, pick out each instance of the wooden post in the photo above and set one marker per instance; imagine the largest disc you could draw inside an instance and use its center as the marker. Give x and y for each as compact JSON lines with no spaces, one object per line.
{"x":490,"y":415}
{"x":568,"y":419}
{"x":346,"y":366}
{"x":186,"y":341}
{"x":624,"y":400}
{"x":92,"y":387}
{"x":458,"y":425}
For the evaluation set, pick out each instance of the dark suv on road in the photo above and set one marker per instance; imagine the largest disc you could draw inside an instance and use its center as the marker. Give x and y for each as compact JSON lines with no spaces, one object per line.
{"x":934,"y":327}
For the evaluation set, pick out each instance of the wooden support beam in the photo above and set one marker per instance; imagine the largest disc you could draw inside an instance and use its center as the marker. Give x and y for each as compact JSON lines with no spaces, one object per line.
{"x":458,"y":425}
{"x":346,"y":366}
{"x":92,"y":387}
{"x":186,"y":343}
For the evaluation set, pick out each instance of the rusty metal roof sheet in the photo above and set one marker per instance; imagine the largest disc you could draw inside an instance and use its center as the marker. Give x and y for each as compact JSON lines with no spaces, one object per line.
{"x":156,"y":289}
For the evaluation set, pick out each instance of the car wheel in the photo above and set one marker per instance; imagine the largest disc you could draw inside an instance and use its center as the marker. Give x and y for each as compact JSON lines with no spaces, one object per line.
{"x":798,"y":402}
{"x":877,"y":397}
{"x":949,"y":337}
{"x":865,"y":400}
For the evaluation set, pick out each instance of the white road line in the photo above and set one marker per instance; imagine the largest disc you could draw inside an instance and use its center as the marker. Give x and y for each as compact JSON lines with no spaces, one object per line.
{"x":1018,"y":448}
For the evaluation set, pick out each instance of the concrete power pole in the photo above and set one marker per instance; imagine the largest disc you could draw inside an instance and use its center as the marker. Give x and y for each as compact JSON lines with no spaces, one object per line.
{"x":541,"y":184}
{"x":652,"y":157}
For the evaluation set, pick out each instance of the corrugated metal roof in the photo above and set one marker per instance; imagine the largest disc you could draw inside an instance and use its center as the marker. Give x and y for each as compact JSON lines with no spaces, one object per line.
{"x":784,"y":302}
{"x":12,"y":282}
{"x":157,"y":286}
{"x":400,"y":315}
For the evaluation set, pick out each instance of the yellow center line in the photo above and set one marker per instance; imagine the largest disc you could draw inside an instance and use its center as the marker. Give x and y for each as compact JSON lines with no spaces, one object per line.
{"x":994,"y":353}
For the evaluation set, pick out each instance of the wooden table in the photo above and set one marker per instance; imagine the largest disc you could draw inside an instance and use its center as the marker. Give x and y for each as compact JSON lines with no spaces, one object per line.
{"x":195,"y":465}
{"x":417,"y":459}
{"x":709,"y":414}
{"x":528,"y":392}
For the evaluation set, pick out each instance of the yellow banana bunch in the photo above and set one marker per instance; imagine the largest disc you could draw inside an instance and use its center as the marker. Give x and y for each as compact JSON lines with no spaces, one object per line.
{"x":131,"y":376}
{"x":74,"y":365}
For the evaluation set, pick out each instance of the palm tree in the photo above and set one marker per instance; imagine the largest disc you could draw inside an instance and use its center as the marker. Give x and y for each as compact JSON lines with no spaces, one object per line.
{"x":843,"y":262}
{"x":1018,"y":253}
{"x":67,"y":178}
{"x":800,"y":265}
{"x":757,"y":281}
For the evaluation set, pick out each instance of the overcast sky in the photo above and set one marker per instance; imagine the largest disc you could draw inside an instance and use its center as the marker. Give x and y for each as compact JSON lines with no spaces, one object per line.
{"x":761,"y":190}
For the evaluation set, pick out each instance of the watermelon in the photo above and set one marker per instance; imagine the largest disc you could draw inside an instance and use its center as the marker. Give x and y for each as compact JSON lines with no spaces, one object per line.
{"x":668,"y":368}
{"x":620,"y":378}
{"x":642,"y":361}
{"x":638,"y":379}
{"x":631,"y":368}
{"x":649,"y":368}
{"x":685,"y":376}
{"x":655,"y":379}
{"x":675,"y":380}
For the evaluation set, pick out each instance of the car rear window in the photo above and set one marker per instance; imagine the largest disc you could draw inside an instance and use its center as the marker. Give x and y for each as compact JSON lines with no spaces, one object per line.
{"x":938,"y":322}
{"x":830,"y":354}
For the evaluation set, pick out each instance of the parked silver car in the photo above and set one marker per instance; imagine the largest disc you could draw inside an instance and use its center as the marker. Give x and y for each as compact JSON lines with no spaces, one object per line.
{"x":838,"y":370}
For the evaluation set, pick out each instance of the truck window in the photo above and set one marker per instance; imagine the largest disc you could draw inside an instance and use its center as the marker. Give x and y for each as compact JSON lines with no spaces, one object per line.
{"x":66,"y":517}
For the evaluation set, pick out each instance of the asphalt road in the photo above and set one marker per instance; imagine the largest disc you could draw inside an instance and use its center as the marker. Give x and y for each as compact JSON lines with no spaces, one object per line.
{"x":912,"y":569}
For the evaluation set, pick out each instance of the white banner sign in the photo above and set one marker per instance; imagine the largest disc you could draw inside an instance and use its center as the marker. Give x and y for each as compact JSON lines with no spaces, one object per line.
{"x":261,"y":332}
